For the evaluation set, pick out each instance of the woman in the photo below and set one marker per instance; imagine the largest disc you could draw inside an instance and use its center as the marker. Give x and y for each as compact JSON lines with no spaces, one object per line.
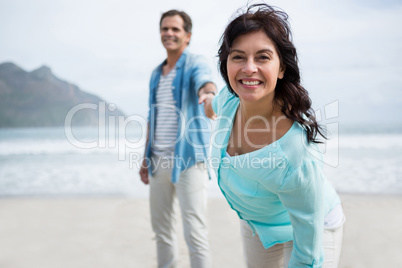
{"x":268,"y":165}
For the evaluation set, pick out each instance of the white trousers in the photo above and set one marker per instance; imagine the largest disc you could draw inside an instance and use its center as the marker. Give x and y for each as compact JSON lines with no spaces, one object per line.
{"x":278,"y":256}
{"x":191,"y":192}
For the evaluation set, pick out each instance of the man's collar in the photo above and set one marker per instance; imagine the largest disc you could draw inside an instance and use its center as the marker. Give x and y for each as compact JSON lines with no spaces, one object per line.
{"x":180,"y":62}
{"x":182,"y":58}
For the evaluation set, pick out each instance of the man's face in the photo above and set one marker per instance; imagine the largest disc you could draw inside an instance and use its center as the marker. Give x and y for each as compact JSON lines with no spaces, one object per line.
{"x":173,"y":36}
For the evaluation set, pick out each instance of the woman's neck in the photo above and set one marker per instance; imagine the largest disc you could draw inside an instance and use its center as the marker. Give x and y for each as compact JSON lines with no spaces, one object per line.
{"x":258,"y":111}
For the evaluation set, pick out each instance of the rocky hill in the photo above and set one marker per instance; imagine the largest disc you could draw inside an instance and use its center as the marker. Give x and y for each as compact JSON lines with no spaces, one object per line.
{"x":40,"y":99}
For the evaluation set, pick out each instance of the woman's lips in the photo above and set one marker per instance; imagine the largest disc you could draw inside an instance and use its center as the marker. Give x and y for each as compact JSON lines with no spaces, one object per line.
{"x":250,"y":82}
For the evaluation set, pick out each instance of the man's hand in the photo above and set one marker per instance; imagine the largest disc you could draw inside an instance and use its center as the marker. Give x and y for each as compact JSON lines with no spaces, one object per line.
{"x":144,"y":172}
{"x":205,"y":95}
{"x":207,"y":100}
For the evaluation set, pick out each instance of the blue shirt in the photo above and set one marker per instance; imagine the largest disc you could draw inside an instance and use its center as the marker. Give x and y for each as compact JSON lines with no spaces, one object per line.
{"x":280,"y":189}
{"x":194,"y":127}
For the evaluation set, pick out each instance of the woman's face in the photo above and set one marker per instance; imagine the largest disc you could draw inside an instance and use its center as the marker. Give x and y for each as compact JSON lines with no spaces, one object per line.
{"x":253,"y":67}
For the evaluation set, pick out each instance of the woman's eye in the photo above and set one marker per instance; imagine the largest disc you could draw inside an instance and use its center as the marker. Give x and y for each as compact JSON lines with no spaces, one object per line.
{"x":263,"y":57}
{"x":237,"y":57}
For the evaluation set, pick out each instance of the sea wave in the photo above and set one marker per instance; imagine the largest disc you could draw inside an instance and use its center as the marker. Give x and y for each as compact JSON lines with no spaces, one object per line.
{"x":354,"y":163}
{"x":372,"y":141}
{"x":60,"y":147}
{"x":107,"y":146}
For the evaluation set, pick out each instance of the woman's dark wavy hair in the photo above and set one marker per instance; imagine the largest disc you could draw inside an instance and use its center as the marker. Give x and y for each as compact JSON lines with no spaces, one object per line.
{"x":294,"y":99}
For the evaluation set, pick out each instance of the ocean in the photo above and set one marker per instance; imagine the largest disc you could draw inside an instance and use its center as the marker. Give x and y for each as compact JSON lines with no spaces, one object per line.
{"x":96,"y":162}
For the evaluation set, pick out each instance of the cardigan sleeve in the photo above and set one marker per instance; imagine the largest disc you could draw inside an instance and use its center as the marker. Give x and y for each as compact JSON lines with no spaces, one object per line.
{"x":301,"y":195}
{"x":215,"y":105}
{"x":221,"y":99}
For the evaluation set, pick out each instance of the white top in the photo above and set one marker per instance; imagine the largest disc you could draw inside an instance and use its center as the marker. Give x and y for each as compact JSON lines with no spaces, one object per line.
{"x":335,"y":217}
{"x":166,"y":118}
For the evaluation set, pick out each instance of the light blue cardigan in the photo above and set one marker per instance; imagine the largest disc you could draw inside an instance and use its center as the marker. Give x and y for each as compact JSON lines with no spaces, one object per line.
{"x":280,"y":190}
{"x":194,"y":128}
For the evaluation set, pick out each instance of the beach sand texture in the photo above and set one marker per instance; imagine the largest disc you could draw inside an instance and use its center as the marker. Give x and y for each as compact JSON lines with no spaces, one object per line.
{"x":116,"y":232}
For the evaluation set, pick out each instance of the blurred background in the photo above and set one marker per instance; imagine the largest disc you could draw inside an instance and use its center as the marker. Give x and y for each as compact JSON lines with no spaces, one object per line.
{"x":55,"y":55}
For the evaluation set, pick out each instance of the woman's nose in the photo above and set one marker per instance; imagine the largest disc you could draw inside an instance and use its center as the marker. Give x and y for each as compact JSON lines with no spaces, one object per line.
{"x":249,"y":67}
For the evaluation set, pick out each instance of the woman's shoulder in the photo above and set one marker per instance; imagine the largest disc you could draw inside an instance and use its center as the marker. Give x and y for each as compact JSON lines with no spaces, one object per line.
{"x":296,"y":148}
{"x":225,"y":95}
{"x":224,"y":102}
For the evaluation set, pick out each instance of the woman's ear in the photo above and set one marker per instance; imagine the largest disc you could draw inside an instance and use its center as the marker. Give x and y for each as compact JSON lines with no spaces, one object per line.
{"x":282,"y":72}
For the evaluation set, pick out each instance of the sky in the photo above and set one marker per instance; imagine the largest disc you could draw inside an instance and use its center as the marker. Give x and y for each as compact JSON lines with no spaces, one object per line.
{"x":349,"y":50}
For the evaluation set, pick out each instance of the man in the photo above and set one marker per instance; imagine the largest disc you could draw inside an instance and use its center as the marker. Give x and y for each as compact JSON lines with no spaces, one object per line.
{"x":177,"y":144}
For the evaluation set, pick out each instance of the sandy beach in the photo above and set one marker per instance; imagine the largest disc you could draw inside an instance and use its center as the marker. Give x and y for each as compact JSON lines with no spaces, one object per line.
{"x":116,"y":232}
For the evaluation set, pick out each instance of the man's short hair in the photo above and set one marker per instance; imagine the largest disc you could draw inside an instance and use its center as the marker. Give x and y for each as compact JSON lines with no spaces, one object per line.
{"x":188,"y":25}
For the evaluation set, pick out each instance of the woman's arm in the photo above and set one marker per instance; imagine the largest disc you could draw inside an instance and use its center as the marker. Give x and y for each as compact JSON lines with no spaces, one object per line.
{"x":301,"y":195}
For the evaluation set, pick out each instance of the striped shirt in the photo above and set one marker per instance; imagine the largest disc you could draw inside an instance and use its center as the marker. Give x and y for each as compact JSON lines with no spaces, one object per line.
{"x":166,"y":117}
